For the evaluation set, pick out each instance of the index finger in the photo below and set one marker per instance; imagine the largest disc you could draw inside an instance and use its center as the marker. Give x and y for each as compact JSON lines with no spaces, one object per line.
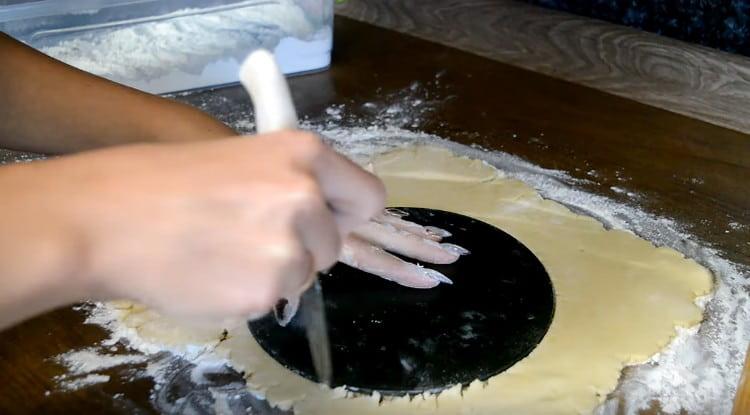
{"x":354,"y":195}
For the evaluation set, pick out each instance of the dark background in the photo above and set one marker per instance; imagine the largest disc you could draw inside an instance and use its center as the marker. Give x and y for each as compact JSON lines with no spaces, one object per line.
{"x":721,"y":24}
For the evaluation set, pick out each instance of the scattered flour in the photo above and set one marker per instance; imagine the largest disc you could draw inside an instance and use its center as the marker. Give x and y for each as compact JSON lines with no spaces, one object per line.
{"x":736,"y":226}
{"x":697,"y":373}
{"x":244,"y":125}
{"x":82,"y":366}
{"x":81,"y":382}
{"x":89,"y":360}
{"x":623,"y":191}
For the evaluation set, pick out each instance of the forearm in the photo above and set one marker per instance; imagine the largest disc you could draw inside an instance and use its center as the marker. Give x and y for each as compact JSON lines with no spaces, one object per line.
{"x":40,"y":261}
{"x":49,"y":107}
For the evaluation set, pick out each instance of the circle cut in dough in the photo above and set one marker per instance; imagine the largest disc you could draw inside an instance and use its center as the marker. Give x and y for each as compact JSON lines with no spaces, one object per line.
{"x":395,"y":340}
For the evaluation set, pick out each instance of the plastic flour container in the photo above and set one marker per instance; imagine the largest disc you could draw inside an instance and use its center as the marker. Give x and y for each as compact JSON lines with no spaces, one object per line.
{"x":162,"y":46}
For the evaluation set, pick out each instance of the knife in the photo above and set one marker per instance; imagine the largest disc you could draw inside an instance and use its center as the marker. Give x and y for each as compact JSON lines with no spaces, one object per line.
{"x":274,"y":110}
{"x":312,"y":308}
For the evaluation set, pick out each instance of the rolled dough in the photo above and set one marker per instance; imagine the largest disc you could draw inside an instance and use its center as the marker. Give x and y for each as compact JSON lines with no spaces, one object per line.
{"x":619,"y":299}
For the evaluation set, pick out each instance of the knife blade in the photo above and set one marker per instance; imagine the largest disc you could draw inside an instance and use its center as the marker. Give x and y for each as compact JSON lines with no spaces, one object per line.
{"x":312,"y":306}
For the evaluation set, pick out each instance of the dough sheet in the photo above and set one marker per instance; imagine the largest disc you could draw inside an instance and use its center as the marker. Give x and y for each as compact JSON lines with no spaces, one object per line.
{"x":618,"y":301}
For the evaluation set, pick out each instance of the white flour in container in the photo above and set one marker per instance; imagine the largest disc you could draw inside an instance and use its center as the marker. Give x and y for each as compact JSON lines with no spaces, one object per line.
{"x":195,"y":48}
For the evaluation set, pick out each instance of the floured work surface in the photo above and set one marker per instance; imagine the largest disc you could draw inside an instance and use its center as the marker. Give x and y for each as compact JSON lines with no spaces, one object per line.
{"x":675,"y":181}
{"x":619,"y":299}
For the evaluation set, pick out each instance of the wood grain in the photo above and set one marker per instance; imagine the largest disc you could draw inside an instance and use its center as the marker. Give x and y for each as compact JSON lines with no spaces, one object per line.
{"x":688,"y":79}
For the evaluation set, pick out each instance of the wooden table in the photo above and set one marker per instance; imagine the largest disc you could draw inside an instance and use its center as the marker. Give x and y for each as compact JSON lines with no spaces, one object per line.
{"x":684,"y":169}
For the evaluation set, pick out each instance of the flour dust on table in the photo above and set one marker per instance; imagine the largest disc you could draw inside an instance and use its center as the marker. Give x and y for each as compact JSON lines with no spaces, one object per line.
{"x":695,"y":369}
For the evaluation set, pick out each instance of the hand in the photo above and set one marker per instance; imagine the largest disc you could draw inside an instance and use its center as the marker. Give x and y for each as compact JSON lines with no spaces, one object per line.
{"x":217,"y":229}
{"x":366,"y":248}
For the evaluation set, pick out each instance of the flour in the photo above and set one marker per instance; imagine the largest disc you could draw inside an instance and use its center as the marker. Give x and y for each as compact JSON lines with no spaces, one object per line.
{"x":698,"y":372}
{"x":89,"y":360}
{"x":83,"y":367}
{"x":193,"y":48}
{"x":190,"y":39}
{"x":623,"y":191}
{"x":82,"y":382}
{"x":736,"y":226}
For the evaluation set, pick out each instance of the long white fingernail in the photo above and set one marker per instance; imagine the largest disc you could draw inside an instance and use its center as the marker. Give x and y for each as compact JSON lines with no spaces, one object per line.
{"x":458,"y":250}
{"x":437,"y":276}
{"x":285,"y":310}
{"x":395,"y":212}
{"x":434,"y":230}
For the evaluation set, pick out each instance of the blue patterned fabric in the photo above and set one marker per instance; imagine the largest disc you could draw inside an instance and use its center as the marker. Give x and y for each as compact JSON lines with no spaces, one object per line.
{"x":721,"y":24}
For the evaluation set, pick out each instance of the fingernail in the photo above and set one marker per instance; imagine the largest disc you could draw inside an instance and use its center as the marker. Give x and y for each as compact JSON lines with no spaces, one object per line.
{"x":282,"y":318}
{"x":436,"y":276}
{"x":395,"y":212}
{"x":285,"y":310}
{"x":458,"y":250}
{"x":434,"y":230}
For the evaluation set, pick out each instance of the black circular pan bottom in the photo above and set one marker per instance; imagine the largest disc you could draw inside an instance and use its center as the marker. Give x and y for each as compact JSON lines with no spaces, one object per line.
{"x":398,"y":340}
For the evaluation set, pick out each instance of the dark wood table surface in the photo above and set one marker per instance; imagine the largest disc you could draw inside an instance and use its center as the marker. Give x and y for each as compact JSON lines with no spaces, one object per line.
{"x":684,"y":169}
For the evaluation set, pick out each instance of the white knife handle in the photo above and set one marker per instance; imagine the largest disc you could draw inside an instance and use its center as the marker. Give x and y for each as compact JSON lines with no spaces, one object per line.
{"x":263,"y":80}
